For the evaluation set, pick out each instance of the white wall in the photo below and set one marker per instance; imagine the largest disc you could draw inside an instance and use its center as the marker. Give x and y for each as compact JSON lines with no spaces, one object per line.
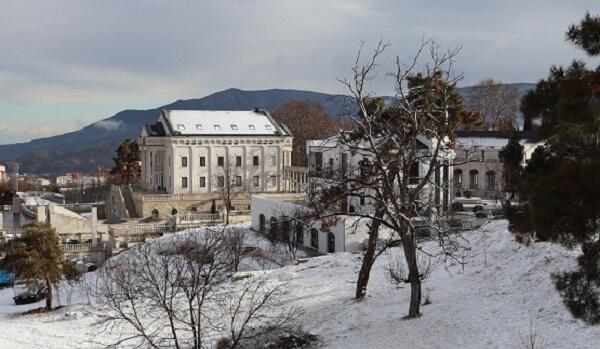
{"x":272,"y":207}
{"x":269,"y":150}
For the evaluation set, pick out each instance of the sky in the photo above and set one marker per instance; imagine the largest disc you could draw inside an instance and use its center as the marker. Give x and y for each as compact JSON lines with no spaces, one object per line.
{"x":68,"y":63}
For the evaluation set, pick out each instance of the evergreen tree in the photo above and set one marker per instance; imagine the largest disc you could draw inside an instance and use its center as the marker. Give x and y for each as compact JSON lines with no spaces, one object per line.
{"x":512,"y":157}
{"x":36,"y":255}
{"x":560,"y":184}
{"x":127,"y":168}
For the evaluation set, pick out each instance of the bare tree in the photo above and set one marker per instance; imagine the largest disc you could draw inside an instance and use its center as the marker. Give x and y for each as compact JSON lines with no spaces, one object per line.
{"x":230,"y":182}
{"x":235,"y":239}
{"x":176,"y":293}
{"x":414,"y":132}
{"x":307,"y":120}
{"x":497,"y":102}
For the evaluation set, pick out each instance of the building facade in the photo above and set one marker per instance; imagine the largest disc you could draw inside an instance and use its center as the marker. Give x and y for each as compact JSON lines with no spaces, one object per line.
{"x":192,"y":156}
{"x":327,"y":160}
{"x":478,"y":170}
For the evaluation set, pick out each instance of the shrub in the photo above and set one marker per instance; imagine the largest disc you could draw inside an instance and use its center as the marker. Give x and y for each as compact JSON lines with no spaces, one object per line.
{"x":457,"y":207}
{"x":468,"y":194}
{"x":477,"y":208}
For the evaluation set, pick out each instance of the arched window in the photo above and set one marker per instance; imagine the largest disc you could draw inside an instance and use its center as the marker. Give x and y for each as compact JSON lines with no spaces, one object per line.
{"x":194,"y":209}
{"x":261,"y":223}
{"x":330,"y":242}
{"x":299,"y":234}
{"x":314,"y":238}
{"x":491,"y":180}
{"x":458,"y":178}
{"x":155,"y":214}
{"x":473,"y":179}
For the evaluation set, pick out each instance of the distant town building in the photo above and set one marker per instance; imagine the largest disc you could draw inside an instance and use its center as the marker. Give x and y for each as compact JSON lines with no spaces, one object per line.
{"x":76,"y":180}
{"x":3,"y":176}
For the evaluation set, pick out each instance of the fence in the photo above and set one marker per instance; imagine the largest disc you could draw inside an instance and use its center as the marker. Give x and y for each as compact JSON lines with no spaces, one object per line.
{"x":82,"y":248}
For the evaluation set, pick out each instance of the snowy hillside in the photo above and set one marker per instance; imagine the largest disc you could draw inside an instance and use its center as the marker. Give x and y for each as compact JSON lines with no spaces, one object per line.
{"x":484,"y":306}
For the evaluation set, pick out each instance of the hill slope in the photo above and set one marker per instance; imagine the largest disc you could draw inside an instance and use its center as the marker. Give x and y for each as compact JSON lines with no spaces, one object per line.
{"x":94,"y":145}
{"x":488,"y":304}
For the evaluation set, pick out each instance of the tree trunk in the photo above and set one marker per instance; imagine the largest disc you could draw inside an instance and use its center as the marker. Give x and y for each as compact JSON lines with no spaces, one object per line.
{"x":368,"y":259}
{"x":410,"y":253}
{"x":48,"y":294}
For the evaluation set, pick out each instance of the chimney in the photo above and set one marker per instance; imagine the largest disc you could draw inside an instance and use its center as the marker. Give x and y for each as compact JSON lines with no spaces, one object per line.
{"x":256,"y":110}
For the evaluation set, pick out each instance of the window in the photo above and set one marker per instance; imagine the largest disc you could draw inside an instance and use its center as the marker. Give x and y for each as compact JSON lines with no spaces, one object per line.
{"x":473,"y":179}
{"x":184,"y":182}
{"x":202,"y":161}
{"x":491,"y":180}
{"x":234,"y":127}
{"x":202,"y":182}
{"x":314,"y":238}
{"x":217,"y":127}
{"x":268,"y":127}
{"x":458,"y":178}
{"x":261,"y":223}
{"x":251,"y":127}
{"x":273,"y":160}
{"x":330,"y":243}
{"x":255,"y":160}
{"x":181,"y":127}
{"x":256,"y":181}
{"x":273,"y":225}
{"x":238,"y":161}
{"x":221,"y":181}
{"x":362,"y":200}
{"x":299,"y":234}
{"x":199,"y":127}
{"x":413,"y":173}
{"x":482,"y":155}
{"x":273,"y":180}
{"x":184,"y":161}
{"x":318,"y":161}
{"x":220,"y":161}
{"x":238,"y":181}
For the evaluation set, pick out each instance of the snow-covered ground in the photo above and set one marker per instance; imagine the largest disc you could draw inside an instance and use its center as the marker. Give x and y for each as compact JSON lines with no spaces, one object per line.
{"x":488,"y":305}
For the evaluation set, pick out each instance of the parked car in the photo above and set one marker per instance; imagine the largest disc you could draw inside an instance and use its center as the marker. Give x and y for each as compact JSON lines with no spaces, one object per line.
{"x":29,"y":292}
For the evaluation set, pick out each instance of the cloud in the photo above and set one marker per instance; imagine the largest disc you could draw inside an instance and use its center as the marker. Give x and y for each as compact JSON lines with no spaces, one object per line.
{"x":109,"y":125}
{"x":31,"y":131}
{"x":89,"y":55}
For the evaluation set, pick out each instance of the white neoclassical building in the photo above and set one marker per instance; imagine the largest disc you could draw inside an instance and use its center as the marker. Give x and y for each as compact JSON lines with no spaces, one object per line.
{"x":189,"y":156}
{"x":188,"y":151}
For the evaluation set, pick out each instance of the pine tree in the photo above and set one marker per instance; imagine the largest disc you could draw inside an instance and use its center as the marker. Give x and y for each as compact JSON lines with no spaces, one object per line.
{"x":36,"y":255}
{"x":512,"y":157}
{"x":127,"y":168}
{"x":560,"y":184}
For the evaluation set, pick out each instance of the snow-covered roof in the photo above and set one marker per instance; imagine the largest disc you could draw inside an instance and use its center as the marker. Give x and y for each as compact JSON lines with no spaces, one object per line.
{"x":488,"y":142}
{"x":222,"y":122}
{"x":333,"y":142}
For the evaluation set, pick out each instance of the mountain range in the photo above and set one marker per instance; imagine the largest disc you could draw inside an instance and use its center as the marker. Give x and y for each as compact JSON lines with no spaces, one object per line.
{"x":94,"y":145}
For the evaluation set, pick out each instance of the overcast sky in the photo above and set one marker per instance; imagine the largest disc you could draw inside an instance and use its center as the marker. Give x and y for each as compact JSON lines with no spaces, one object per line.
{"x":65,"y":64}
